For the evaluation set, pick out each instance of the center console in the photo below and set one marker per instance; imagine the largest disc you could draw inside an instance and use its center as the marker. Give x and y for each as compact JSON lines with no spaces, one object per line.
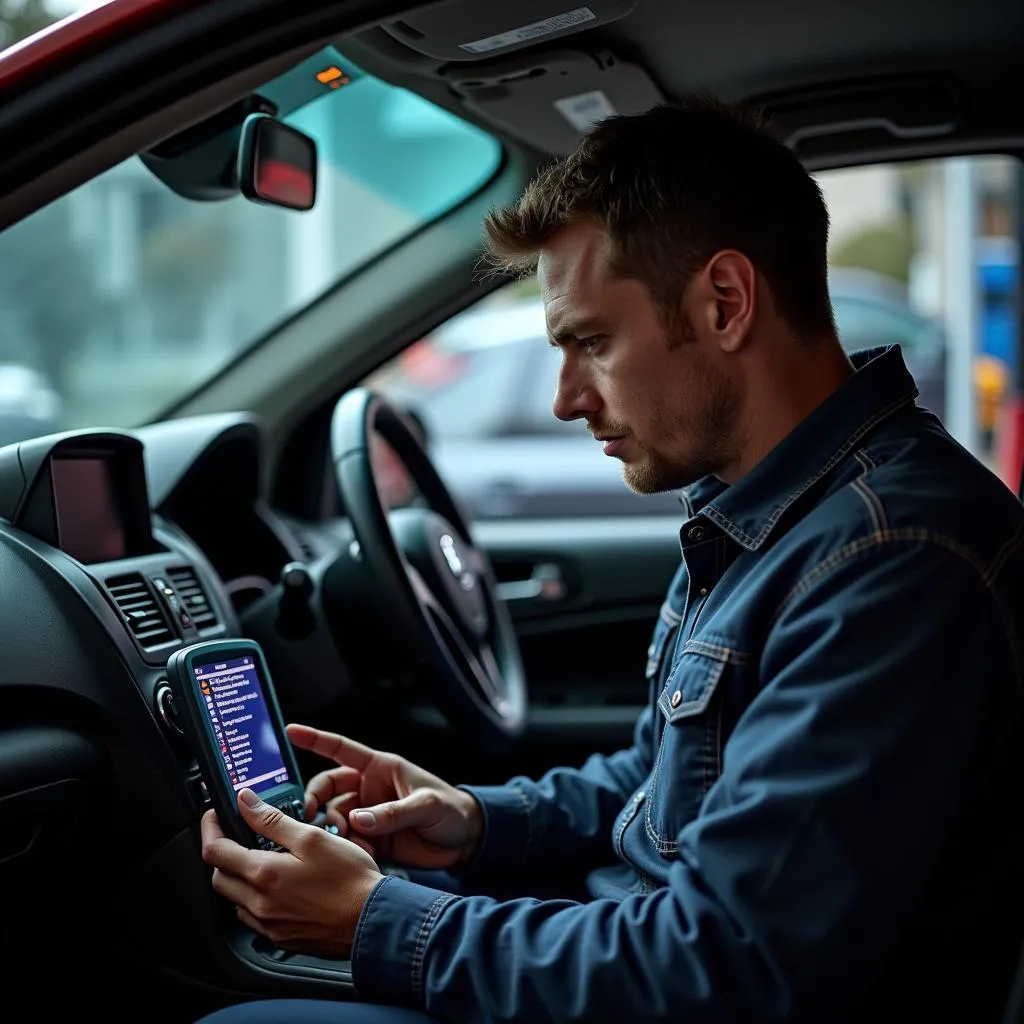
{"x":77,"y":508}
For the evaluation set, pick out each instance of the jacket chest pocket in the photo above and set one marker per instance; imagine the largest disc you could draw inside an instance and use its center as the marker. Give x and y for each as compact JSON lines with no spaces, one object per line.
{"x":689,"y":757}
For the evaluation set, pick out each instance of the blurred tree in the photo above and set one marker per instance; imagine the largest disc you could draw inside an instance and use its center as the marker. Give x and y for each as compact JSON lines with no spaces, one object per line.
{"x":183,"y":264}
{"x":884,"y":248}
{"x":49,"y":291}
{"x":526,"y":287}
{"x":20,"y":18}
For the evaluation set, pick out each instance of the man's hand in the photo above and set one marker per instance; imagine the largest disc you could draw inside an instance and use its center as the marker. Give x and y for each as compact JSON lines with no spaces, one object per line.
{"x":404,"y":813}
{"x":307,"y":899}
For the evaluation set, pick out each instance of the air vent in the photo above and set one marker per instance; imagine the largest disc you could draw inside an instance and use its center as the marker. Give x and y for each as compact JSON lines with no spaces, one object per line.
{"x":186,"y":583}
{"x":135,"y":601}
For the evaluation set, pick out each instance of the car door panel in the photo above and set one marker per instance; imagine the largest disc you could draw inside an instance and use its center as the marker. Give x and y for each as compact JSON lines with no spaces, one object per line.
{"x":584,"y":640}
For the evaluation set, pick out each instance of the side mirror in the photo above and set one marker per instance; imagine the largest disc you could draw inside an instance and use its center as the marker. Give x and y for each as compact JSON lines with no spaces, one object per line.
{"x":277,"y":164}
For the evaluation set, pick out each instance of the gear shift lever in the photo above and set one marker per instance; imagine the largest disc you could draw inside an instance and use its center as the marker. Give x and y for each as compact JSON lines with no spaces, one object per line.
{"x":294,"y":614}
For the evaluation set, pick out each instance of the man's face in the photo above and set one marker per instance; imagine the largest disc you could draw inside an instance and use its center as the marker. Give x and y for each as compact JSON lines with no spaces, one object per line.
{"x":658,"y":400}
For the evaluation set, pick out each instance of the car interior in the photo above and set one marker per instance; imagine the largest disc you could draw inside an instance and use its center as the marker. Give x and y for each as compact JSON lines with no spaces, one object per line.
{"x":248,"y":498}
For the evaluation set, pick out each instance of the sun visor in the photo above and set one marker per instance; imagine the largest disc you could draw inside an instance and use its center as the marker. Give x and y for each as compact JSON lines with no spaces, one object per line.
{"x":549,"y":99}
{"x":470,"y":30}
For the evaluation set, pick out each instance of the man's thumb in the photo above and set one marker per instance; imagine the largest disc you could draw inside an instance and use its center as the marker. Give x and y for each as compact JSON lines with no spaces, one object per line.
{"x":266,"y":820}
{"x":385,"y":819}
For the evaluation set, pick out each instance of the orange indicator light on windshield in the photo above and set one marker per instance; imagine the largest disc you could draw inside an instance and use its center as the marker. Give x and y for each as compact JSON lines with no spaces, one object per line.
{"x":332,"y":76}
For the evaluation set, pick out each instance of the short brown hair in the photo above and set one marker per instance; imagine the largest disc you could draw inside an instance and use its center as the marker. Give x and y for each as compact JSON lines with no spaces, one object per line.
{"x":672,"y":187}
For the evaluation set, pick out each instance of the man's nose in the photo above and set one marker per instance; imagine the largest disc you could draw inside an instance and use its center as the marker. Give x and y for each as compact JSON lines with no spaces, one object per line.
{"x":575,"y":398}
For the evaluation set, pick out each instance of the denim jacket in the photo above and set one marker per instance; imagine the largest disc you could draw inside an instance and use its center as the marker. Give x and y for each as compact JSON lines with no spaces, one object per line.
{"x":821,"y":815}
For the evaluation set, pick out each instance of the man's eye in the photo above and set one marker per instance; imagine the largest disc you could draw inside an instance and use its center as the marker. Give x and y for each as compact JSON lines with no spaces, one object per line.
{"x":591,"y":343}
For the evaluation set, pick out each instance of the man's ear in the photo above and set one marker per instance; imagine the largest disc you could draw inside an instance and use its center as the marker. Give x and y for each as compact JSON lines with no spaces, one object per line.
{"x":730,"y":294}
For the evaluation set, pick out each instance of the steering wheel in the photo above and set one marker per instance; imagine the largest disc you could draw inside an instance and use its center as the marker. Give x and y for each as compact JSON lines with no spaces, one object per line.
{"x":437,"y":587}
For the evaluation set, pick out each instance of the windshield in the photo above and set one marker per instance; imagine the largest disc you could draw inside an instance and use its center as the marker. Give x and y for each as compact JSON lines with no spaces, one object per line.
{"x":121,"y":297}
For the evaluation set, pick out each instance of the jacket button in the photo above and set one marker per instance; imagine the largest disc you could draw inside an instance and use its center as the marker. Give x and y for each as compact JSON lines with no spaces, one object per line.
{"x":696,"y":533}
{"x":677,"y":699}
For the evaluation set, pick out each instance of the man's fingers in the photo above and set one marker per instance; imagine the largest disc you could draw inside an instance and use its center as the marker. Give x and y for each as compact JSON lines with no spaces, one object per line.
{"x":251,"y":922}
{"x":331,"y":745}
{"x":210,"y":827}
{"x":327,"y":785}
{"x":267,"y":821}
{"x":417,"y":810}
{"x":233,"y":889}
{"x":221,"y":852}
{"x":338,"y":809}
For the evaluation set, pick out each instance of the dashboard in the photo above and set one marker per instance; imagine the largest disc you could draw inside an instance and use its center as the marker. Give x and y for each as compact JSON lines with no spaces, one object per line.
{"x":117,"y":549}
{"x":167,"y":523}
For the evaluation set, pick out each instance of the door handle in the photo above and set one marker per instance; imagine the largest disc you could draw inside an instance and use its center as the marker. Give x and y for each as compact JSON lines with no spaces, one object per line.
{"x":546,"y":583}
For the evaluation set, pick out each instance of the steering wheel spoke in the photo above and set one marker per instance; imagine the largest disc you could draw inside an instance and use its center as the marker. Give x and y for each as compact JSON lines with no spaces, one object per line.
{"x":478,"y":561}
{"x":492,"y":677}
{"x":437,"y":588}
{"x":424,"y":595}
{"x":477,"y":659}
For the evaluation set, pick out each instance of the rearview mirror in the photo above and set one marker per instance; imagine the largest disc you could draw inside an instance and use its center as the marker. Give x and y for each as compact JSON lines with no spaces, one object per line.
{"x":277,"y":163}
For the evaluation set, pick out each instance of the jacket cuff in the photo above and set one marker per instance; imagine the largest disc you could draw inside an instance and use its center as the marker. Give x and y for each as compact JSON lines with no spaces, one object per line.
{"x":508,"y":830}
{"x":391,"y":940}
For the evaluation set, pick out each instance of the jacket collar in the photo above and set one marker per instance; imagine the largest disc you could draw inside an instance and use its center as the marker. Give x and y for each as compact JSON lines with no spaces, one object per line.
{"x":749,"y":509}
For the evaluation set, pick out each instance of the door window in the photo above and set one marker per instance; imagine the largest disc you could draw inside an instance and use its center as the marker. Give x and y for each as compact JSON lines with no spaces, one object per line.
{"x":902,"y":272}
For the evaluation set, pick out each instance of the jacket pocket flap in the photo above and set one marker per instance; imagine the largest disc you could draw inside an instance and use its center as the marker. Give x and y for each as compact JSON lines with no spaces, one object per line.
{"x":691,"y":685}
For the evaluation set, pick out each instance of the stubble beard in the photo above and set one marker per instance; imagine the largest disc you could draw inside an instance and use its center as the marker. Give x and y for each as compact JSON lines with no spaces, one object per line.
{"x":706,"y":430}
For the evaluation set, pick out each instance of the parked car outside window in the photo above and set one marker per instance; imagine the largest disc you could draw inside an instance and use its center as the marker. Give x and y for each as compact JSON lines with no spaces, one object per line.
{"x":483,"y":385}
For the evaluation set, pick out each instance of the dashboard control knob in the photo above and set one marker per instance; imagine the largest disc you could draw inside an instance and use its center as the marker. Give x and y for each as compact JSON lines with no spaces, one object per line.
{"x":164,"y":700}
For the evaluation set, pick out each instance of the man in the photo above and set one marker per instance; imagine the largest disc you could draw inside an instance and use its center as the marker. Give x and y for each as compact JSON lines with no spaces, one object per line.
{"x":820,"y":817}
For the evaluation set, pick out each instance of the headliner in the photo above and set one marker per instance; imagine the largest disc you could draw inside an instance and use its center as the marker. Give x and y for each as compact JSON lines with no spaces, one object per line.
{"x":749,"y":49}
